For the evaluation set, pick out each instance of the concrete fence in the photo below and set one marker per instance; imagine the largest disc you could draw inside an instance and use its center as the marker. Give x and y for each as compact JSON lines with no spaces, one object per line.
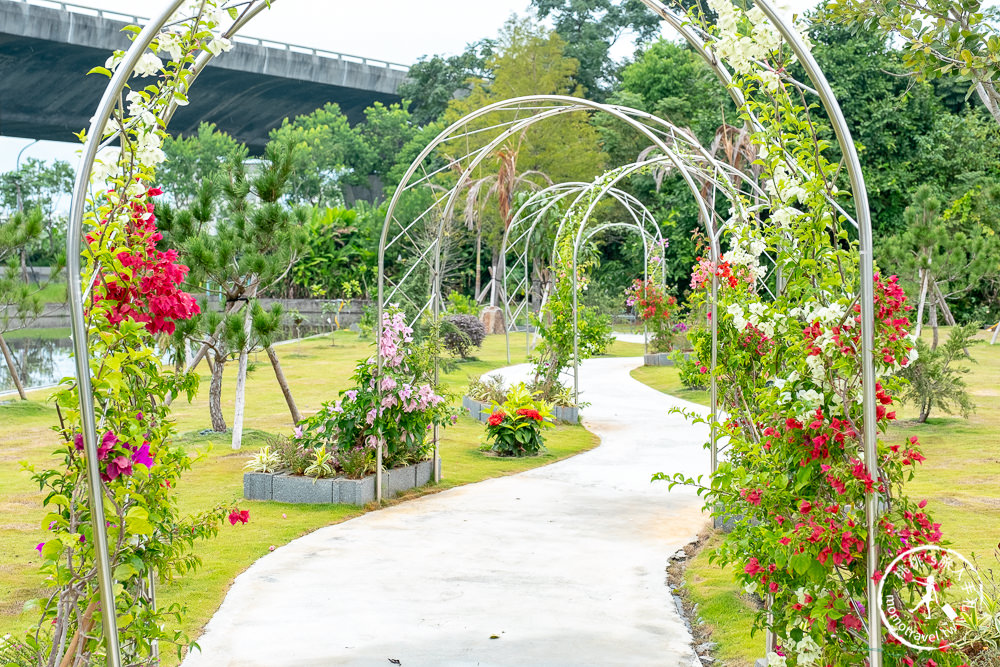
{"x":309,"y":315}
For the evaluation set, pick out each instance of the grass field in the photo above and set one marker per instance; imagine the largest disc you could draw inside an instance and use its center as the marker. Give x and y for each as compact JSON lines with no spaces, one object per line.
{"x":317,"y":370}
{"x":960,"y":480}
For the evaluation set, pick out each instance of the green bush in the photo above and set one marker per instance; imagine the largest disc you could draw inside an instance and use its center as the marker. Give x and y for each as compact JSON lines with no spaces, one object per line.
{"x":459,"y":304}
{"x":935,"y":382}
{"x":515,"y":427}
{"x":461,"y":333}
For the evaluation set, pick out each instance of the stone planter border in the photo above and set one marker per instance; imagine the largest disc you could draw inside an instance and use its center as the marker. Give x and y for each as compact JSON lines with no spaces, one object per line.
{"x":481,"y":411}
{"x":284,"y":488}
{"x":661,"y":359}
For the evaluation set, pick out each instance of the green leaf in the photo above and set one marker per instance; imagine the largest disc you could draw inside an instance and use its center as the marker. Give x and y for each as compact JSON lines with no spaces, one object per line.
{"x":101,"y":70}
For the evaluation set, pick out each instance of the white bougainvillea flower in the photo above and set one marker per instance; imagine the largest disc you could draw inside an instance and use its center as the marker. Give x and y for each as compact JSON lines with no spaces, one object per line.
{"x":170,"y":43}
{"x":138,"y":110}
{"x":218,"y":45}
{"x":149,"y":65}
{"x":106,"y":165}
{"x":114,"y":60}
{"x":147,"y":149}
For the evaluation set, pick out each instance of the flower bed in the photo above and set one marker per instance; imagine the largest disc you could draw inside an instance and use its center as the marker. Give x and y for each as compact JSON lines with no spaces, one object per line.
{"x":480,"y":410}
{"x":283,"y":487}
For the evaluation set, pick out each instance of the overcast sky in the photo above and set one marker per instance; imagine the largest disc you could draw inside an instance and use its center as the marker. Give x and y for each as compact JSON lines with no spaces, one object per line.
{"x":395,"y":30}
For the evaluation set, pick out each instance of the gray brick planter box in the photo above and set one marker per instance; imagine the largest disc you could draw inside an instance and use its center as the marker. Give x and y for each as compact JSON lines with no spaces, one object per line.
{"x":661,"y":359}
{"x":357,"y":491}
{"x":285,"y":488}
{"x":658,"y":359}
{"x":481,"y":411}
{"x":303,"y":490}
{"x":258,"y":486}
{"x":424,"y":472}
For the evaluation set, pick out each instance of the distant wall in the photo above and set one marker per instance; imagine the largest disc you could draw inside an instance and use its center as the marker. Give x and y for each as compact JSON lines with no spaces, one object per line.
{"x":56,"y":315}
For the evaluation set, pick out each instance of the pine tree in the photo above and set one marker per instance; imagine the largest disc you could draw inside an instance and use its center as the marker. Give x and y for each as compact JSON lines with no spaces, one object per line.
{"x":240,"y":238}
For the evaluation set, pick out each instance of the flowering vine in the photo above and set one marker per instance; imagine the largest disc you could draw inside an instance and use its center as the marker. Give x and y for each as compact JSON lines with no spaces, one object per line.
{"x":396,"y":406}
{"x":131,"y":294}
{"x":789,"y":347}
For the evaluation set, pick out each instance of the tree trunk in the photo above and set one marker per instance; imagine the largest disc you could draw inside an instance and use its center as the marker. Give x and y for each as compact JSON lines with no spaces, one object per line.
{"x":12,"y":368}
{"x":924,"y":273}
{"x":283,"y":383}
{"x":934,"y":324}
{"x":479,"y":261}
{"x":215,"y":395}
{"x":925,"y":411}
{"x":241,"y":378}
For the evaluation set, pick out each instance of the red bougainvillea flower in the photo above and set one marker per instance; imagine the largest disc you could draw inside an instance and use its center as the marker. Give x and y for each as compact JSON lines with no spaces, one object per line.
{"x":239,"y":516}
{"x":496,"y":418}
{"x":147,"y":290}
{"x":530,"y":414}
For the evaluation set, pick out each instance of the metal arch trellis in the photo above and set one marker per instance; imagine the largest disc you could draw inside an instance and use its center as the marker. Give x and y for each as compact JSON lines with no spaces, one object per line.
{"x":521,"y":240}
{"x":96,"y":139}
{"x":862,"y":221}
{"x":698,"y":42}
{"x":399,"y":230}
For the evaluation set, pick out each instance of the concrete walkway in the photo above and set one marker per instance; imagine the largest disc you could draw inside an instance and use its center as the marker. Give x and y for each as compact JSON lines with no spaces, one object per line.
{"x":561,"y":565}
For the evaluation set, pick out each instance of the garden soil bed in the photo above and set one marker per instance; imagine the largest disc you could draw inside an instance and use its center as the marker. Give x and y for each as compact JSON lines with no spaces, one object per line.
{"x":285,"y":488}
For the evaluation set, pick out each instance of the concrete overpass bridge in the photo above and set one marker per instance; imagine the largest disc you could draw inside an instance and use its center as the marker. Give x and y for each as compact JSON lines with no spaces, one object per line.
{"x":46,"y":48}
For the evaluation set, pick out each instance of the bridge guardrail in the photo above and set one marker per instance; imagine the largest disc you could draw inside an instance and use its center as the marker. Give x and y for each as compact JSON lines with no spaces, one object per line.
{"x":266,"y":43}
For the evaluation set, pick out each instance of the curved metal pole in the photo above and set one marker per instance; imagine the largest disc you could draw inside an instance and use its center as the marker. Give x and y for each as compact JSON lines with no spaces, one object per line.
{"x":515,"y":222}
{"x":78,"y":326}
{"x":628,"y":201}
{"x":860,"y":194}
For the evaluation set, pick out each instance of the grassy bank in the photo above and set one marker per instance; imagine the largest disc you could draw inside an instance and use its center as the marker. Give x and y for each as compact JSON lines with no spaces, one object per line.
{"x":960,"y":480}
{"x":317,"y":370}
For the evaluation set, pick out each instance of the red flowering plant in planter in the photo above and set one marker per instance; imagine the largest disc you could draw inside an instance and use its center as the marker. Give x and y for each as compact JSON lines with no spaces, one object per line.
{"x":131,"y":295}
{"x":515,"y":427}
{"x":656,"y":309}
{"x":793,"y":480}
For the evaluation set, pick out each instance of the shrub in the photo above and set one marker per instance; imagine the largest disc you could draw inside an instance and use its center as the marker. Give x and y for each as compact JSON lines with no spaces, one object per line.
{"x":265,"y":460}
{"x":934,"y":380}
{"x":694,"y":373}
{"x":655,"y":308}
{"x":293,"y":455}
{"x":396,"y":407}
{"x":459,"y":304}
{"x":490,"y":390}
{"x":461,"y":333}
{"x":515,"y":427}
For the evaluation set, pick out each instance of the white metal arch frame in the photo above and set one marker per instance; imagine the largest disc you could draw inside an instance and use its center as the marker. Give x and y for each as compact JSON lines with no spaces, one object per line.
{"x":521,"y":241}
{"x":96,"y":140}
{"x":396,"y":232}
{"x":862,"y":219}
{"x":683,"y":26}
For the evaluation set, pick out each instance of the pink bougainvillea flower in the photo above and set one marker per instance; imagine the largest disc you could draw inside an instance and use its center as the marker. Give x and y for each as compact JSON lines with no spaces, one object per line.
{"x":118,"y":466}
{"x":108,"y":443}
{"x":298,"y":431}
{"x":142,"y":456}
{"x":39,"y":547}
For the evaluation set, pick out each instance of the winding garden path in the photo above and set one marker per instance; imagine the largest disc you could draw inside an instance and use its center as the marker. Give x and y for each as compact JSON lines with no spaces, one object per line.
{"x":561,"y":565}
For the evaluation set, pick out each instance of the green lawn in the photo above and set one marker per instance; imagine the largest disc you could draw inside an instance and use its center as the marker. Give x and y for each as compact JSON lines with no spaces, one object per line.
{"x":316,"y":371}
{"x":960,"y":480}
